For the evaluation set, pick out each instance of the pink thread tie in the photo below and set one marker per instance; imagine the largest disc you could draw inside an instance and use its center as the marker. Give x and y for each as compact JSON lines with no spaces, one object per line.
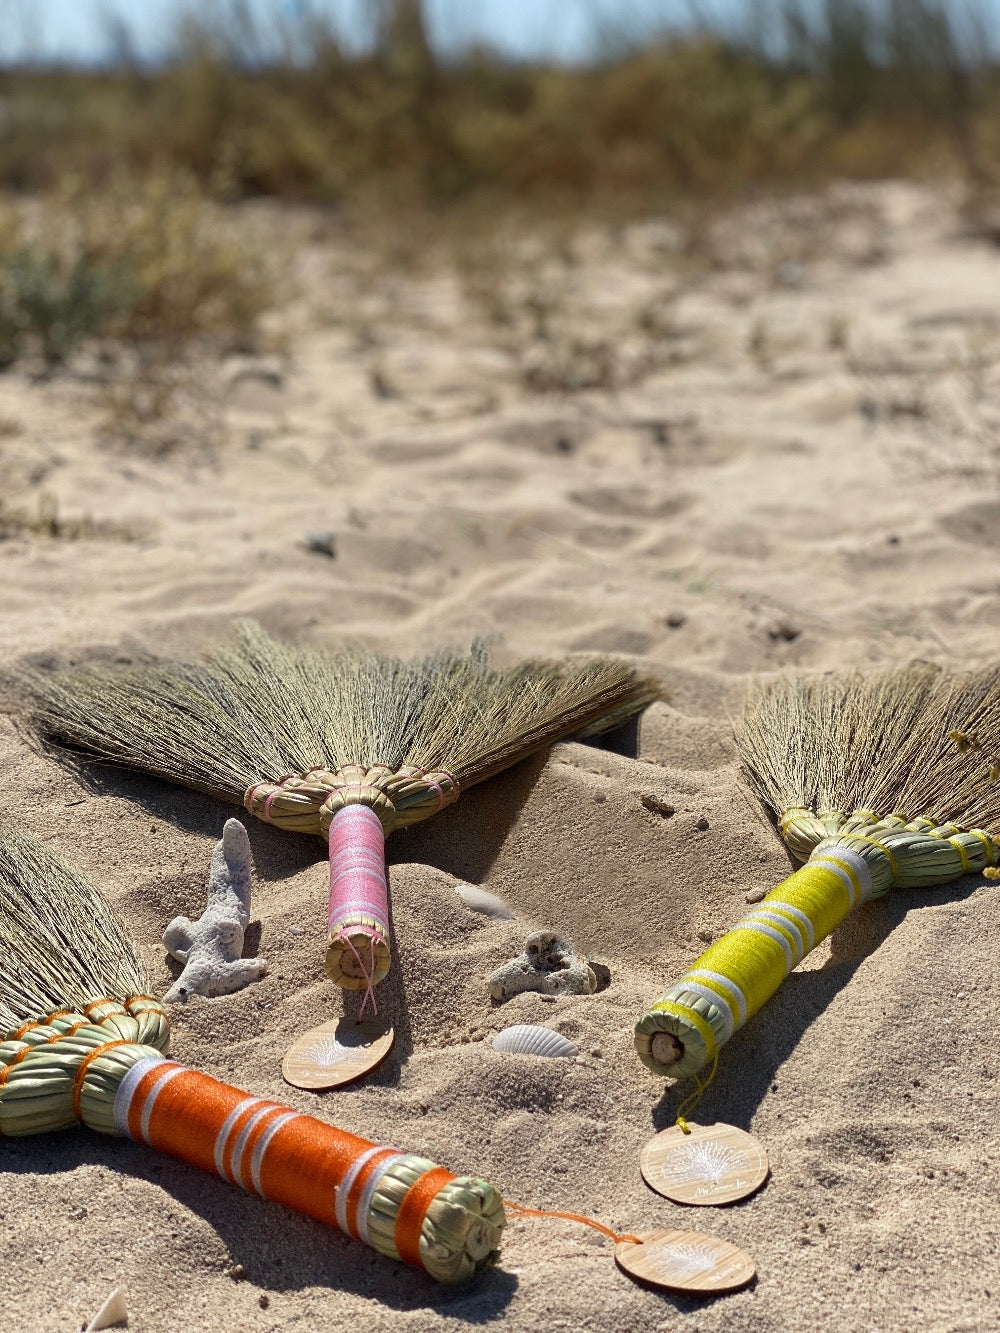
{"x":368,"y":976}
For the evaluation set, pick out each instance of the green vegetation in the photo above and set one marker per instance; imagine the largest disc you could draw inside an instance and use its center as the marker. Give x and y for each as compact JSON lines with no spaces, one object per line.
{"x":119,"y":183}
{"x":802,"y":92}
{"x":146,"y":258}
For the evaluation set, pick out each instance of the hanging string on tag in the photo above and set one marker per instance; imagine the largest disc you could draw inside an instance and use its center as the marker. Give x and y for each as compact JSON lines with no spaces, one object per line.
{"x":518,"y":1210}
{"x":691,"y":1101}
{"x":663,"y":1258}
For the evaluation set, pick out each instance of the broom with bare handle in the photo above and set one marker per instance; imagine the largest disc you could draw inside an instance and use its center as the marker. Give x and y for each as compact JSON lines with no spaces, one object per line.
{"x":876,"y":781}
{"x":81,"y":1040}
{"x":348,"y":745}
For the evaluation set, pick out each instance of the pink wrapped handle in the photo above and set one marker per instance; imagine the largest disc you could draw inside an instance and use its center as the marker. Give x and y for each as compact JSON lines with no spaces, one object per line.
{"x":357,"y":951}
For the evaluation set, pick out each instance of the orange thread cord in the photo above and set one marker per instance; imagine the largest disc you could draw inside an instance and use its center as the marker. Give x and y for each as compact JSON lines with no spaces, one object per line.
{"x":49,"y":1041}
{"x":300,"y":1162}
{"x":33,"y":1023}
{"x":413,"y":1209}
{"x":518,"y":1210}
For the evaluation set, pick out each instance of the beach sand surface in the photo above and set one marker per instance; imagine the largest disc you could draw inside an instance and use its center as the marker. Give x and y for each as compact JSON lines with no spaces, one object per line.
{"x":783,"y":453}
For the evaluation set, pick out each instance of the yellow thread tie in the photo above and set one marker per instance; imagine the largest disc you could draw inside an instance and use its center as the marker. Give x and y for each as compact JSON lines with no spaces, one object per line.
{"x":963,"y":854}
{"x":691,"y":1101}
{"x":886,"y":852}
{"x":700,"y":1025}
{"x":988,"y":843}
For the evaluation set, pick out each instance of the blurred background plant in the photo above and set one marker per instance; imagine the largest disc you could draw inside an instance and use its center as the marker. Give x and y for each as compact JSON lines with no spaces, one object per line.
{"x":124,"y":185}
{"x":147,"y":258}
{"x":780,"y":91}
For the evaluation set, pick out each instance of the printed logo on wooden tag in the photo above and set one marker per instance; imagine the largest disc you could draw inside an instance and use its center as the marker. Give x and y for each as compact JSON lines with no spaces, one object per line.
{"x":711,"y":1165}
{"x":686,"y":1261}
{"x":335,"y":1053}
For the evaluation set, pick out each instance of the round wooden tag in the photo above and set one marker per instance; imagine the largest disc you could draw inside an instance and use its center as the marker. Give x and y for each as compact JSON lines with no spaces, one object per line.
{"x":335,"y":1053}
{"x":686,"y":1261}
{"x":712,"y":1164}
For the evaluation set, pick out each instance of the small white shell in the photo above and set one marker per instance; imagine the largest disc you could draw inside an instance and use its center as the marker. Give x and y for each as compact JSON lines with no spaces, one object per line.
{"x":113,"y":1312}
{"x":481,"y":900}
{"x":531,"y":1039}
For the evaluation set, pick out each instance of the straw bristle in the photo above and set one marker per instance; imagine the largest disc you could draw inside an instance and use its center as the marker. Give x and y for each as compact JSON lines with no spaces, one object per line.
{"x":884,"y":742}
{"x":61,"y":943}
{"x":257,"y":710}
{"x":953,"y":764}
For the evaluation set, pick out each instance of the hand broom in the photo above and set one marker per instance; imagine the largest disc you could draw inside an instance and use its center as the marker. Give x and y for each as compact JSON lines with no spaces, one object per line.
{"x":348,"y":745}
{"x":876,"y":781}
{"x":81,"y":1040}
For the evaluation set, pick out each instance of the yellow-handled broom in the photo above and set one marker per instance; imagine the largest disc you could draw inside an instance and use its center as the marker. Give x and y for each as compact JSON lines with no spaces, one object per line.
{"x":876,"y":781}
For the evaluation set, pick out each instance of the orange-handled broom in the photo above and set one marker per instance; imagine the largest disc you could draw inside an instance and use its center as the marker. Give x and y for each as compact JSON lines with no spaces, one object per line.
{"x":82,"y":1041}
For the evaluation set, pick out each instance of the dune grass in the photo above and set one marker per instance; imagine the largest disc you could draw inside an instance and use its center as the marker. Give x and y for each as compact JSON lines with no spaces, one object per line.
{"x":797,"y":92}
{"x":45,"y":521}
{"x":138,"y":167}
{"x":144,"y":258}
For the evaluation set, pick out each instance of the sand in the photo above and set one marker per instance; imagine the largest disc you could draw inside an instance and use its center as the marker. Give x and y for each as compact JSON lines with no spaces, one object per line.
{"x":779,"y":451}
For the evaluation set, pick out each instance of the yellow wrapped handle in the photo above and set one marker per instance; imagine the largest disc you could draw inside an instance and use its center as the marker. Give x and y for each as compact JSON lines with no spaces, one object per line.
{"x":740,"y":972}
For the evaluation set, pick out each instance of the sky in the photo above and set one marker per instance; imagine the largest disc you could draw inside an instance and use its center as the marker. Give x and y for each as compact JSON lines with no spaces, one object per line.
{"x":78,"y":30}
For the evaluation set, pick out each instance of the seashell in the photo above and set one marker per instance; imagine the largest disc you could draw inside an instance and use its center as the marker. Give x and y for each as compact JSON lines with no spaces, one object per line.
{"x":532,"y":1039}
{"x":114,"y":1312}
{"x":481,"y":900}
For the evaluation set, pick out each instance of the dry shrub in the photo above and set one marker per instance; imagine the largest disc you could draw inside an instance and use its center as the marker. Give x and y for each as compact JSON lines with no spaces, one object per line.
{"x":812,"y":90}
{"x":148,"y":260}
{"x":46,"y":521}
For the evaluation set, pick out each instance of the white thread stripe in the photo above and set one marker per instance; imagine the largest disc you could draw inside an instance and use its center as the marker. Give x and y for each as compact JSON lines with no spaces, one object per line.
{"x":127,"y":1087}
{"x":800,"y":916}
{"x":343,"y":1190}
{"x":791,"y":927}
{"x":368,"y":1193}
{"x":240,"y":1146}
{"x":346,"y":856}
{"x":261,"y":1147}
{"x":359,"y":907}
{"x":149,"y":1103}
{"x":713,"y":997}
{"x":358,"y":872}
{"x":849,"y":882}
{"x":852,"y":860}
{"x":225,"y":1129}
{"x":860,"y":867}
{"x":376,"y":859}
{"x":762,"y":929}
{"x":726,"y":984}
{"x":357,"y":812}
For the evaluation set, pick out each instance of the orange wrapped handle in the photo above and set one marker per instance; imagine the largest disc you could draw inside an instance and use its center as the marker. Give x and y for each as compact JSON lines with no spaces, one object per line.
{"x":269,"y":1149}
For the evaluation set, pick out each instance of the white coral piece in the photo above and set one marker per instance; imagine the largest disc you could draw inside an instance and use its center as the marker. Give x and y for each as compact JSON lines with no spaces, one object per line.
{"x":548,"y":966}
{"x":113,"y":1312}
{"x":211,"y":948}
